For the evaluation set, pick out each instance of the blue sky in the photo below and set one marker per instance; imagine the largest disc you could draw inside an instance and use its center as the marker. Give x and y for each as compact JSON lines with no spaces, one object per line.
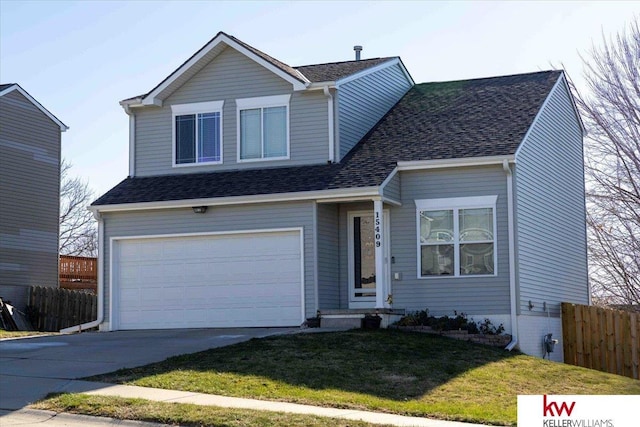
{"x":79,"y":59}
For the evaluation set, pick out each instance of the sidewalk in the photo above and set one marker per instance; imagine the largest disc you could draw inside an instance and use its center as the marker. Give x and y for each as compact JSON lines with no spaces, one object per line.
{"x":38,"y":418}
{"x":174,"y":396}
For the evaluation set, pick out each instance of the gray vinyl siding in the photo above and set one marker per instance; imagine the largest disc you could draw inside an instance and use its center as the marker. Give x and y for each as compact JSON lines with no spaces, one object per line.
{"x":29,"y":198}
{"x":362,"y":103}
{"x":228,"y":77}
{"x":550,"y":210}
{"x":328,"y":257}
{"x":472,"y":295}
{"x":216,"y":219}
{"x":393,"y":188}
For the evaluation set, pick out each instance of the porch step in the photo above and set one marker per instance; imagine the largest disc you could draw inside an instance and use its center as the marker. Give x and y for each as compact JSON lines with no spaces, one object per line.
{"x":340,"y":322}
{"x":352,"y":318}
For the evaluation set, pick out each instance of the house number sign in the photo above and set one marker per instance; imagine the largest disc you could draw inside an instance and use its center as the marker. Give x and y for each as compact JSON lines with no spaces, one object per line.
{"x":377,"y":229}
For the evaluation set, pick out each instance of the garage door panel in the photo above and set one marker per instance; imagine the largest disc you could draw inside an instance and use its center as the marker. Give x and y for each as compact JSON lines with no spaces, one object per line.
{"x":210,"y":281}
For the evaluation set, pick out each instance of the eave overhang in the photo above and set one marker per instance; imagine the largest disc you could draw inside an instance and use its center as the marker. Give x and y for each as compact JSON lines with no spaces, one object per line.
{"x":348,"y":194}
{"x":454,"y":163}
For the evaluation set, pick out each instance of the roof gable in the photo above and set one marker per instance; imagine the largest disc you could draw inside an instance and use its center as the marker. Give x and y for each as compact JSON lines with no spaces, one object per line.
{"x":8,"y":88}
{"x":203,"y":56}
{"x":301,"y":77}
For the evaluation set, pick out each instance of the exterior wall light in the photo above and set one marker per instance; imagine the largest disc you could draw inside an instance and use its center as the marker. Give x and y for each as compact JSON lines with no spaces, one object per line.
{"x":199,"y":209}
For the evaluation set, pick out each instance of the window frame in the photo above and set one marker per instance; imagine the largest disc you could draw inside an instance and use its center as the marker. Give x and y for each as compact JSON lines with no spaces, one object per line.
{"x":196,"y":108}
{"x":261,"y":103}
{"x":455,"y":205}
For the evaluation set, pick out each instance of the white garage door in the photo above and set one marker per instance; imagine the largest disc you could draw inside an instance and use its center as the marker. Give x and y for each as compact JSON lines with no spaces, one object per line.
{"x":231,"y":280}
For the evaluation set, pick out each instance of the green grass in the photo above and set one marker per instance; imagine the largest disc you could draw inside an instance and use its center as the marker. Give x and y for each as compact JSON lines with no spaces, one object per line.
{"x":388,"y":371}
{"x":17,"y":334}
{"x":183,"y":414}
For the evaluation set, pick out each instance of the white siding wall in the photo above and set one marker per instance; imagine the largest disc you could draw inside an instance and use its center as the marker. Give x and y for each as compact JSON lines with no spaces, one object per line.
{"x":363,"y":102}
{"x":227,"y":218}
{"x":532,"y":329}
{"x":478,"y":295}
{"x":550,"y":213}
{"x":230,"y":76}
{"x":29,"y":198}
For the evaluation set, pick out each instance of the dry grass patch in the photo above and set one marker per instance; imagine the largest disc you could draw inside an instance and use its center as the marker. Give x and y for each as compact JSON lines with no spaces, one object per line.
{"x":19,"y":334}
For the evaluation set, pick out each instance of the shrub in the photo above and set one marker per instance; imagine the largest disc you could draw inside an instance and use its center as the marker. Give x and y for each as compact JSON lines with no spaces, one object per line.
{"x":445,"y":323}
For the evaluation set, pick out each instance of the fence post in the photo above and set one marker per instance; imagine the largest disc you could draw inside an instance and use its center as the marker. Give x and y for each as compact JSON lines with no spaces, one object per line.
{"x":569,"y":332}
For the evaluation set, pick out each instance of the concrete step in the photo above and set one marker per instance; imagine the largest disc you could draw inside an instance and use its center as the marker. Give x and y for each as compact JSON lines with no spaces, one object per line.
{"x":340,"y":322}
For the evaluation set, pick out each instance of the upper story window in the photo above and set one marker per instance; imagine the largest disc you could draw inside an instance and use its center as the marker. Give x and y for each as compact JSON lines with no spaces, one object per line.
{"x":456,"y":237}
{"x":263,"y":128}
{"x":197,"y":133}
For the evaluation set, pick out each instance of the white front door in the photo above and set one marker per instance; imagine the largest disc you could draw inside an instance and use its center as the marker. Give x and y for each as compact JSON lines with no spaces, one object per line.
{"x":362,"y":259}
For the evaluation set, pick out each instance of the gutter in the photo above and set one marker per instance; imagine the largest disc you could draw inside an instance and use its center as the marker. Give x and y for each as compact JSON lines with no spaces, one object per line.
{"x":132,"y":138}
{"x":512,"y":257}
{"x":320,"y":195}
{"x":331,"y":126}
{"x":453,"y":163}
{"x":100,"y":287}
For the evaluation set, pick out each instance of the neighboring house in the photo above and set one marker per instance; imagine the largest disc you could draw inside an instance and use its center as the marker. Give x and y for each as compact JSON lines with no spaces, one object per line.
{"x":29,"y":194}
{"x":260,"y":193}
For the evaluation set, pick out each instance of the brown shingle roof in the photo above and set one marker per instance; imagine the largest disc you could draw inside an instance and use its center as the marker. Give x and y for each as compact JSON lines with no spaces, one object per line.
{"x":336,"y":70}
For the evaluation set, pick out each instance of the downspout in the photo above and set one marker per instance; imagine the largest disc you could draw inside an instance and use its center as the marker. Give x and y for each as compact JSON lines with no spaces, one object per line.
{"x":132,"y":139}
{"x":100,"y":286}
{"x":512,"y":257}
{"x":331,"y":129}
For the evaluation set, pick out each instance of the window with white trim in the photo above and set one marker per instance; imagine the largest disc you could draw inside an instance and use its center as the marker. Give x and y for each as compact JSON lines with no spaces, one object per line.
{"x":263,"y":128}
{"x":197,"y":133}
{"x":456,"y":237}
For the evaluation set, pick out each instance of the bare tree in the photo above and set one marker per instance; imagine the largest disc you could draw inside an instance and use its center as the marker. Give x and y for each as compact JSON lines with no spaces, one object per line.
{"x":611,"y":113}
{"x":78,"y":231}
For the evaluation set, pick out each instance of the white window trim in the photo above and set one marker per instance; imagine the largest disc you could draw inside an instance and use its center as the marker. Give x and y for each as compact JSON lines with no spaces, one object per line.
{"x":455,"y":204}
{"x":195,"y":108}
{"x":262,"y":102}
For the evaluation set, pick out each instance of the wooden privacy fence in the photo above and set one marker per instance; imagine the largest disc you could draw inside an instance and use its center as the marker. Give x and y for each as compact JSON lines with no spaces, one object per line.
{"x":77,"y":272}
{"x":603,"y":339}
{"x":52,"y":309}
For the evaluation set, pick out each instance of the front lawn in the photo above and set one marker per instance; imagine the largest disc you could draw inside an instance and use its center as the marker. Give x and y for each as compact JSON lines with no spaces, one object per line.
{"x":386,"y":370}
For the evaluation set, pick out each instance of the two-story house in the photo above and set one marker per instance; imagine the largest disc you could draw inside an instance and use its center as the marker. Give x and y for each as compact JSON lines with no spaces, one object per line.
{"x":260,"y":194}
{"x":29,"y":194}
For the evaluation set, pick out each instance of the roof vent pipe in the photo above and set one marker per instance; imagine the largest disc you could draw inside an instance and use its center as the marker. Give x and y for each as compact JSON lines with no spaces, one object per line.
{"x":358,"y":49}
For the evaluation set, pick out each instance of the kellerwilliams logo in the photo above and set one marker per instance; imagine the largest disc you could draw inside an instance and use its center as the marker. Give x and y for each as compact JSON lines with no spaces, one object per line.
{"x":552,"y":409}
{"x":577,"y":411}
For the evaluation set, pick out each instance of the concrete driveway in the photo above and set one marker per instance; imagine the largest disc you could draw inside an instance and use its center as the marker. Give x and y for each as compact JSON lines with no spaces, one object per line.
{"x":31,"y":368}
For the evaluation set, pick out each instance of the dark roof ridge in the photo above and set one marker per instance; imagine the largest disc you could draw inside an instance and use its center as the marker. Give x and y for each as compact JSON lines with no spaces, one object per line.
{"x":344,"y":62}
{"x":476,"y":79}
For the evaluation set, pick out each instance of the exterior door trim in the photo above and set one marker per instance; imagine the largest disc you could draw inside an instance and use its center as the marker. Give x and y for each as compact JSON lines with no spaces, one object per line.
{"x":366,"y":302}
